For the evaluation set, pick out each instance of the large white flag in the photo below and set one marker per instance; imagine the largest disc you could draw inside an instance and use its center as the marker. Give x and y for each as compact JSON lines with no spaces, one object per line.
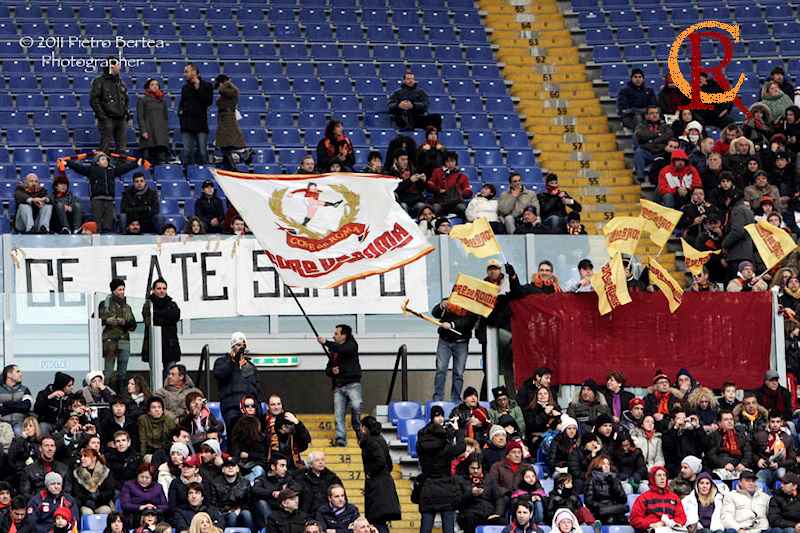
{"x":325,"y":230}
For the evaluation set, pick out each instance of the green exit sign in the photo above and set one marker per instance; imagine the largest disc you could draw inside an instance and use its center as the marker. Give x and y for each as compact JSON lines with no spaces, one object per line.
{"x":275,"y":360}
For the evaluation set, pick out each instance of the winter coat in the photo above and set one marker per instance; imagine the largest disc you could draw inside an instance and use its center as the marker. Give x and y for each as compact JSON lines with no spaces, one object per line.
{"x":43,"y":506}
{"x":586,"y":413}
{"x":108,"y":425}
{"x":741,"y":510}
{"x":123,"y":466}
{"x":141,"y":205}
{"x":561,"y":498}
{"x":208,"y":424}
{"x":193,"y":106}
{"x":32,"y":478}
{"x":652,"y":449}
{"x":26,"y":526}
{"x":175,"y":398}
{"x":133,"y":495}
{"x":442,"y":178}
{"x":114,"y":308}
{"x":501,"y":473}
{"x":670,"y":99}
{"x":653,"y":137}
{"x":561,"y":449}
{"x":477,"y":509}
{"x":339,"y":521}
{"x":54,"y":411}
{"x":604,"y":496}
{"x":414,"y":94}
{"x":716,"y":457}
{"x":651,"y":401}
{"x":760,"y":448}
{"x":282,"y":521}
{"x":98,"y":398}
{"x":737,"y":242}
{"x":514,"y":206}
{"x":753,"y":195}
{"x":780,"y":401}
{"x":653,"y":504}
{"x":553,"y":205}
{"x":22,"y":196}
{"x":102,"y":181}
{"x":228,"y":133}
{"x":630,"y":465}
{"x":463,"y":323}
{"x":15,"y":403}
{"x":208,"y":207}
{"x":784,"y":510}
{"x":513,"y":410}
{"x":266,"y":485}
{"x":315,"y":488}
{"x":691,"y":506}
{"x":152,"y":115}
{"x":154,"y":433}
{"x":183,"y":515}
{"x":482,"y":207}
{"x":345,"y":357}
{"x":166,"y":314}
{"x":677,"y":444}
{"x":633,"y":97}
{"x":750,"y":428}
{"x":437,"y":446}
{"x":94,"y":488}
{"x":21,"y":450}
{"x":234,"y":382}
{"x":669,"y":179}
{"x":234,"y":495}
{"x":778,"y":104}
{"x":109,"y":97}
{"x":329,"y":152}
{"x":624,"y":396}
{"x":381,"y":503}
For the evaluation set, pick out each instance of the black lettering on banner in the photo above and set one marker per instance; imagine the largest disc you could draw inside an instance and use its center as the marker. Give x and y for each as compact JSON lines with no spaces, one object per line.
{"x":348,"y":289}
{"x":402,"y":292}
{"x":184,"y":270}
{"x":28,"y":279}
{"x":305,"y":294}
{"x":207,"y":273}
{"x":63,"y":279}
{"x":123,"y":258}
{"x":257,"y":293}
{"x":154,"y":265}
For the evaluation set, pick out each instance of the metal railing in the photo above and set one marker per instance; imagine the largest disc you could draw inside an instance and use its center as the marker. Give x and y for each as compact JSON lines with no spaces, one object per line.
{"x":401,"y":363}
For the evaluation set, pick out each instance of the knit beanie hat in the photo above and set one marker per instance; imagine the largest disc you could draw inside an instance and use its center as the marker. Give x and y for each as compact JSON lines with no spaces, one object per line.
{"x":694,"y":463}
{"x":61,"y":380}
{"x":659,"y":376}
{"x":567,"y":421}
{"x":494,"y":430}
{"x":52,"y":477}
{"x":64,"y":513}
{"x":437,"y":410}
{"x":563,"y":514}
{"x":115,"y":284}
{"x":214,"y":445}
{"x":181,"y":448}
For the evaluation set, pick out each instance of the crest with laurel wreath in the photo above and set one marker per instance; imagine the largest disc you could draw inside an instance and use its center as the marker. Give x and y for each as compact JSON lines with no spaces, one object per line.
{"x":349,"y":215}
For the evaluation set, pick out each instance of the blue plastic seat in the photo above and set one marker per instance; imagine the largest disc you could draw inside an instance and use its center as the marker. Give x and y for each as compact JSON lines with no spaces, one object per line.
{"x":409,"y":426}
{"x":252,"y":102}
{"x":403,"y":410}
{"x":21,"y":137}
{"x":262,"y":51}
{"x":778,"y":11}
{"x":40,"y":169}
{"x":13,"y":119}
{"x":94,"y":522}
{"x":168,"y":173}
{"x":386,"y":52}
{"x":31,"y":102}
{"x":447,"y":406}
{"x":441,"y":35}
{"x":285,"y":137}
{"x":176,"y":189}
{"x":256,"y":137}
{"x":514,"y":140}
{"x":54,"y":137}
{"x":339,"y":86}
{"x":474,"y":121}
{"x":482,"y":139}
{"x":449,"y":53}
{"x":763,"y":48}
{"x":500,"y":104}
{"x":488,"y":158}
{"x":595,"y":36}
{"x":231,"y":51}
{"x":489,"y":529}
{"x":310,"y":102}
{"x":480,"y":54}
{"x":27,"y":155}
{"x":412,"y":448}
{"x":169,"y":206}
{"x":521,"y":158}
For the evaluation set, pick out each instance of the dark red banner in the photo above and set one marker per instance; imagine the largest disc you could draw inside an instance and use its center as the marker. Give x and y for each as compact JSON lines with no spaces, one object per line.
{"x":717,"y":337}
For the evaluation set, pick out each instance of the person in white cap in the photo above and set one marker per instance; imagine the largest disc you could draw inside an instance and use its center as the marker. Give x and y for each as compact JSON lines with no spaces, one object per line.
{"x":236,"y":376}
{"x":564,"y":521}
{"x":96,"y":393}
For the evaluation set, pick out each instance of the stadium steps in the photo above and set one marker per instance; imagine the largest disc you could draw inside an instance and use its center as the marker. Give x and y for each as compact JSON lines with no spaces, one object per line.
{"x":569,"y":125}
{"x":346,"y":462}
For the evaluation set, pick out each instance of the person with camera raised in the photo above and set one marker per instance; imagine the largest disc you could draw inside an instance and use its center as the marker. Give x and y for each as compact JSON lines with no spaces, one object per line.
{"x":236,"y":376}
{"x":436,"y":491}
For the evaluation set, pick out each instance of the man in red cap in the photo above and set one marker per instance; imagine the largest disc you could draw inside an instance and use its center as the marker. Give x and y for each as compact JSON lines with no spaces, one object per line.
{"x":503,"y":472}
{"x":631,"y":418}
{"x":677,"y":179}
{"x":661,"y":401}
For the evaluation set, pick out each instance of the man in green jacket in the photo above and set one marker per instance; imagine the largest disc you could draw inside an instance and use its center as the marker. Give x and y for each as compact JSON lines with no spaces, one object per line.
{"x":503,"y":405}
{"x":118,"y":322}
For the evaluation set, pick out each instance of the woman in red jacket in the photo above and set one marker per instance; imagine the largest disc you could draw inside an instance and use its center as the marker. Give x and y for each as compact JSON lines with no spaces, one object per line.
{"x":659,"y":506}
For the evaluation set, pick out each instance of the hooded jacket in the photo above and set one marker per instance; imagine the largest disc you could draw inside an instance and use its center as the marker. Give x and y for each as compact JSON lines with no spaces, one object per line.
{"x":743,"y":511}
{"x":54,"y":411}
{"x":691,"y":506}
{"x":576,"y":526}
{"x":655,"y":503}
{"x":778,"y":104}
{"x":175,"y":398}
{"x":670,"y":178}
{"x":634,"y":96}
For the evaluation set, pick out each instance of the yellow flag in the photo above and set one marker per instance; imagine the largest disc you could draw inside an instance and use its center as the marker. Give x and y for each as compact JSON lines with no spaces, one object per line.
{"x":622,"y":234}
{"x":695,"y":260}
{"x":474,"y":294}
{"x":477,"y":238}
{"x":611,"y":286}
{"x":666,"y":284}
{"x":659,"y":221}
{"x":772,"y":242}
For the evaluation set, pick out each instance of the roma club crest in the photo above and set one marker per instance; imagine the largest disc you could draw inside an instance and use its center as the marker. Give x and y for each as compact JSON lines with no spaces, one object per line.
{"x":317,"y":217}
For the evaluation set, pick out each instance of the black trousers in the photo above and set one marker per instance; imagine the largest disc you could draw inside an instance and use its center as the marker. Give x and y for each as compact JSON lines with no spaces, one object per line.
{"x":408,"y":120}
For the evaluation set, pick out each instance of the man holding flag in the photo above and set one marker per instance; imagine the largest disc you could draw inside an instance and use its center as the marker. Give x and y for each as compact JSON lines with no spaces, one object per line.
{"x":454,"y":335}
{"x":746,"y":280}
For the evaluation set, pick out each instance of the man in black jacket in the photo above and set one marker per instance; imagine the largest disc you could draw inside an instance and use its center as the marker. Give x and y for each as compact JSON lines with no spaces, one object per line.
{"x":236,"y":376}
{"x":681,"y":440}
{"x":409,"y":106}
{"x":140,"y":202}
{"x":289,"y":518}
{"x":233,"y":494}
{"x":784,"y":506}
{"x":122,"y":459}
{"x":32,"y":478}
{"x":166,"y":314}
{"x":315,"y":480}
{"x":109,"y":98}
{"x":52,"y":403}
{"x":266,"y":489}
{"x":344,"y":369}
{"x":197,"y":503}
{"x":338,"y":513}
{"x":553,"y":203}
{"x":774,"y":397}
{"x":209,"y":208}
{"x":197,"y":95}
{"x":737,"y":244}
{"x":451,"y":344}
{"x":437,"y":445}
{"x":103,"y":187}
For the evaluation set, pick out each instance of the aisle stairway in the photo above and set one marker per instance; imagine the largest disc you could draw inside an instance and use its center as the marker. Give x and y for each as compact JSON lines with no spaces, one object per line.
{"x":346,"y":462}
{"x":563,"y":113}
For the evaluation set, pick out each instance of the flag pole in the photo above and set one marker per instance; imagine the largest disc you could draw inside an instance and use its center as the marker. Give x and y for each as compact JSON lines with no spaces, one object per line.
{"x":311,"y":324}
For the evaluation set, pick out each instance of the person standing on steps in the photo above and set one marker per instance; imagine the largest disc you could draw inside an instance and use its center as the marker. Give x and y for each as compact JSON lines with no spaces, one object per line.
{"x":344,"y":369}
{"x":381,"y":504}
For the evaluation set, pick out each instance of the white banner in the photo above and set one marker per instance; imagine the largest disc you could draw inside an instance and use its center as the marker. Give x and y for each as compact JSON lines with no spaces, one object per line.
{"x":325,"y":230}
{"x":208,"y":279}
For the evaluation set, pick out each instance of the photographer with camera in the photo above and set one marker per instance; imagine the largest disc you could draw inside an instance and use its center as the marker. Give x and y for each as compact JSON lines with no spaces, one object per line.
{"x":436,"y":491}
{"x":236,"y":376}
